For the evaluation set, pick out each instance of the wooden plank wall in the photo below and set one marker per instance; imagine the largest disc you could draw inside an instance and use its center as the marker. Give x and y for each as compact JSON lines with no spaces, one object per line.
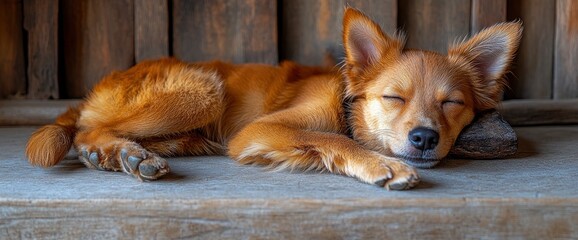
{"x":12,"y":73}
{"x":61,"y":48}
{"x":41,"y":23}
{"x":311,"y":30}
{"x":97,"y":39}
{"x":151,"y":29}
{"x":432,"y":24}
{"x":533,"y":70}
{"x":566,"y":50}
{"x":236,"y":31}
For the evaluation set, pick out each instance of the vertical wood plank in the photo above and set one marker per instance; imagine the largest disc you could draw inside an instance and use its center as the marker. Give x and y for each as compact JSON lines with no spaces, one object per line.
{"x":486,"y":13}
{"x":41,"y":22}
{"x":434,"y":24}
{"x":233,"y":30}
{"x":151,"y":25}
{"x":98,"y":38}
{"x":12,"y":73}
{"x":311,"y":30}
{"x":533,"y":67}
{"x":566,"y":51}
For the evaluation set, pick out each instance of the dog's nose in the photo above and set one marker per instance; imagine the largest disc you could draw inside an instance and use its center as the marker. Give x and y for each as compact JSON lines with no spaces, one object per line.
{"x":423,"y":138}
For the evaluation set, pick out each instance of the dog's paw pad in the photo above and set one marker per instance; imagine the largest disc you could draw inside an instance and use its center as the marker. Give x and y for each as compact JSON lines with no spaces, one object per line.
{"x":133,"y":162}
{"x":93,"y":159}
{"x":128,"y":157}
{"x":397,"y":186}
{"x":147,"y":170}
{"x":84,"y":154}
{"x":153,"y":168}
{"x":90,"y":159}
{"x":381,"y":182}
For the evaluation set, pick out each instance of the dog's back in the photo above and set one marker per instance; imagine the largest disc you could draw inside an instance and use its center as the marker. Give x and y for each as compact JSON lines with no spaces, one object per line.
{"x":252,"y":91}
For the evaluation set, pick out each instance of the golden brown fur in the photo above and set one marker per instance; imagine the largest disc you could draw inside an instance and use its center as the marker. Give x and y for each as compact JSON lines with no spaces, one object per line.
{"x":400,"y":106}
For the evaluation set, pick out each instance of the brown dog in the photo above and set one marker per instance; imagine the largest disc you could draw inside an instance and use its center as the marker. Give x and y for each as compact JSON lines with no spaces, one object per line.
{"x":389,"y":107}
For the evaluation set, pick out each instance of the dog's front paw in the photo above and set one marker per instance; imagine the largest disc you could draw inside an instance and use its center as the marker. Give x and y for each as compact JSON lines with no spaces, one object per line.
{"x":393,"y":175}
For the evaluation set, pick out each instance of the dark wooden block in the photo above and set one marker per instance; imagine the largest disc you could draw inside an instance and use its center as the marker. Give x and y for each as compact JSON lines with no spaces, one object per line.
{"x":488,"y":137}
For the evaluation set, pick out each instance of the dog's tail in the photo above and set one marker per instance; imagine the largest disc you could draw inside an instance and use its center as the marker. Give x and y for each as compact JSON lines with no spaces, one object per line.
{"x":49,"y":144}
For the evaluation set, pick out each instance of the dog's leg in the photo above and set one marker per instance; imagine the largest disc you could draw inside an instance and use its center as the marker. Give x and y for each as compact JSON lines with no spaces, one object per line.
{"x":188,"y":144}
{"x":150,"y":101}
{"x":142,"y":158}
{"x":283,"y":144}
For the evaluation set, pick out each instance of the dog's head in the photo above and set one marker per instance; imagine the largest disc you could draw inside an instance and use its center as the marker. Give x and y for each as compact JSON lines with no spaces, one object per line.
{"x":412,"y":104}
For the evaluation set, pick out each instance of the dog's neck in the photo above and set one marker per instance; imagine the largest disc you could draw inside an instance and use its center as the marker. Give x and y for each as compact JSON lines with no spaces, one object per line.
{"x":354,"y":129}
{"x":346,"y":104}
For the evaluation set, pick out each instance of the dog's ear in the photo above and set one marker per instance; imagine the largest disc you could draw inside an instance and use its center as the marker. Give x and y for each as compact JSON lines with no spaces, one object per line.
{"x":489,"y":53}
{"x":365,"y":44}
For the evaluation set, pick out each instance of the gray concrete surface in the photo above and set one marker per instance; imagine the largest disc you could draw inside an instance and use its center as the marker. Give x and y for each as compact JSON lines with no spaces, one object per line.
{"x":545,"y":166}
{"x":532,"y":195}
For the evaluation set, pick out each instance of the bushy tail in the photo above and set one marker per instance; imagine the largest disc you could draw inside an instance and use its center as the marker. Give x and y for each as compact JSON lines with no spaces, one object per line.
{"x":49,"y":144}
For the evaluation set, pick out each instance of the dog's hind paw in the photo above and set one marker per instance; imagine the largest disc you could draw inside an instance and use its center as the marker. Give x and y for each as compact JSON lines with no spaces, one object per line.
{"x":146,"y":166}
{"x":130,"y":158}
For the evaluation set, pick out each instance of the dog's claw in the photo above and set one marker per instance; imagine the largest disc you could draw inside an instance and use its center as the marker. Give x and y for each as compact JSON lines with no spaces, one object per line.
{"x":397,"y":186}
{"x":148,"y":171}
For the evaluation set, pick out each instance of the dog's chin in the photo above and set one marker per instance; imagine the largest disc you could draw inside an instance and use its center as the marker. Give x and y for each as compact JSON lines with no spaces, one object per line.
{"x":419,"y":162}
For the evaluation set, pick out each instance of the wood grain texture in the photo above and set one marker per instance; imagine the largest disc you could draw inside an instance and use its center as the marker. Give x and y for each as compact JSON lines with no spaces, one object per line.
{"x":533,"y":66}
{"x":231,"y":30}
{"x":12,"y":72}
{"x":486,"y":13}
{"x":151,"y":26}
{"x":434,"y":24}
{"x":291,"y":219}
{"x":41,"y":22}
{"x":311,"y":30}
{"x":566,"y":50}
{"x":98,"y":38}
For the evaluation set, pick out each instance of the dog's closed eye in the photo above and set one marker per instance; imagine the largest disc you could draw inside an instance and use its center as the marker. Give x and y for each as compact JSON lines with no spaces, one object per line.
{"x":458,"y":102}
{"x":394,"y":98}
